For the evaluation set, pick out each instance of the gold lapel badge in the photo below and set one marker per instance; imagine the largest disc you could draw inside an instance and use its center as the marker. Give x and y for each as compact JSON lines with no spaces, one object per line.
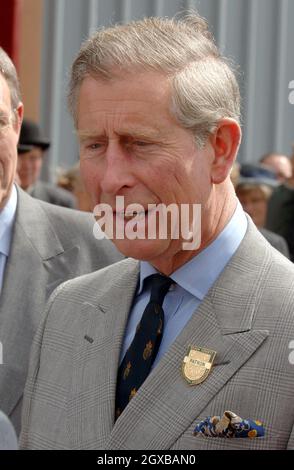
{"x":197,"y":365}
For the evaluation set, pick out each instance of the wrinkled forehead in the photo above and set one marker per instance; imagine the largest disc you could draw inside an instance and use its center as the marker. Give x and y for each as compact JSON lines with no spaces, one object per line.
{"x":138,"y":99}
{"x":136,"y":87}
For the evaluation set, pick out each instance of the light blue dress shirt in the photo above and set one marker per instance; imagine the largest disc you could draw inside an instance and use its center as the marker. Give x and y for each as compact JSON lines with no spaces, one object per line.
{"x":192,"y":282}
{"x":7,"y":216}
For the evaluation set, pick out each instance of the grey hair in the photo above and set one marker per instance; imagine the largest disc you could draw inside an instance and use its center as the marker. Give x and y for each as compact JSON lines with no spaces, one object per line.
{"x":204,"y":85}
{"x":8,"y":71}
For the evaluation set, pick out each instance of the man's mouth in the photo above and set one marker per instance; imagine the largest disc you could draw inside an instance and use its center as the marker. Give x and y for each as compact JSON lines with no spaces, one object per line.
{"x":136,"y":215}
{"x":127,"y":216}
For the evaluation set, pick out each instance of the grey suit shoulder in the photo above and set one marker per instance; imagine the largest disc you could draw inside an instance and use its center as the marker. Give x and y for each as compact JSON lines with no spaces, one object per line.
{"x":67,"y":225}
{"x":53,"y":194}
{"x":277,"y":241}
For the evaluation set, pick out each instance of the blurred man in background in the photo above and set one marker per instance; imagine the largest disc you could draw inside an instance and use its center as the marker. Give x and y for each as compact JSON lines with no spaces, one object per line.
{"x":31,"y":153}
{"x":71,"y":181}
{"x":280,"y":216}
{"x":280,"y":164}
{"x":254,"y":189}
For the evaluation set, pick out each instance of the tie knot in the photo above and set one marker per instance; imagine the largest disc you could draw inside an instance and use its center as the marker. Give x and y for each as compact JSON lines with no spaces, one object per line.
{"x":159,"y":287}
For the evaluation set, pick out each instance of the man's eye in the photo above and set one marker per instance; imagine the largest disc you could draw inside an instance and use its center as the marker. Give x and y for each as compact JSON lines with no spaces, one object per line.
{"x":4,"y":121}
{"x":140,"y":143}
{"x":95,"y":146}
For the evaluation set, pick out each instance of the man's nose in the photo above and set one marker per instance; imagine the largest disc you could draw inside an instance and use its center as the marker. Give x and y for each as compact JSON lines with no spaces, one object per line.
{"x":117,"y":175}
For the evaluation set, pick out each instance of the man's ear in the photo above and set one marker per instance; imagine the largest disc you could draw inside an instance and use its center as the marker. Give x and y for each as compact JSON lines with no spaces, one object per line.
{"x":18,"y":117}
{"x":225,"y":142}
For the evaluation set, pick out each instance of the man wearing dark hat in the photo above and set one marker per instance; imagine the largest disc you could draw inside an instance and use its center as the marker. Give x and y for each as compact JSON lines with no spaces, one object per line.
{"x":41,"y":246}
{"x":31,"y":148}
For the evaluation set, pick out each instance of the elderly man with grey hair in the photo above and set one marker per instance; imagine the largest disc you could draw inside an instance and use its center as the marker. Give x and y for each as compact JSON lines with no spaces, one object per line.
{"x":41,"y":246}
{"x":184,"y":342}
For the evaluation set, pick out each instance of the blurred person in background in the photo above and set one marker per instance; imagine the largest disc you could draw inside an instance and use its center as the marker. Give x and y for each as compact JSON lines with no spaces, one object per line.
{"x":254,"y":189}
{"x":280,"y":164}
{"x":290,"y":181}
{"x":71,"y":181}
{"x":31,"y":150}
{"x":280,"y":215}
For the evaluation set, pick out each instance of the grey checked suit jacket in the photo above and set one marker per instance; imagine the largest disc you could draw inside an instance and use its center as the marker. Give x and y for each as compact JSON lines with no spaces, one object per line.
{"x":247,"y":317}
{"x":50,"y":245}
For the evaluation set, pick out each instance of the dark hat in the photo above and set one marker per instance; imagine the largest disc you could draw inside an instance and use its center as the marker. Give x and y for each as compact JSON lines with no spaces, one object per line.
{"x":30,"y":137}
{"x":257,"y":174}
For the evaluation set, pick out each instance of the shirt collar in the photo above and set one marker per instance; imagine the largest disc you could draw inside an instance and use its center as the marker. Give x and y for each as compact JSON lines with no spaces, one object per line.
{"x":7,"y":216}
{"x":199,"y":274}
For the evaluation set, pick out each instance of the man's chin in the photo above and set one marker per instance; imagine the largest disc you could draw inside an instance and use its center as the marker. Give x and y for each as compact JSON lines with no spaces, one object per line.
{"x":143,"y":250}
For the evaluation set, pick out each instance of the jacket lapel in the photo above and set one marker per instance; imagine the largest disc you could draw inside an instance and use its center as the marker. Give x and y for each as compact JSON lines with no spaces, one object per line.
{"x":165,"y":406}
{"x":96,"y":359}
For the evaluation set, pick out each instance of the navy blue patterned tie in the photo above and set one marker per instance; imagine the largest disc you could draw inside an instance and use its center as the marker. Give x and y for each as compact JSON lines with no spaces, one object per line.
{"x":141,"y":354}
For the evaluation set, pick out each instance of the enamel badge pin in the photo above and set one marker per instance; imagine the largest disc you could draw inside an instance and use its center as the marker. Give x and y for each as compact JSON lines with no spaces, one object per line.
{"x":197,"y":365}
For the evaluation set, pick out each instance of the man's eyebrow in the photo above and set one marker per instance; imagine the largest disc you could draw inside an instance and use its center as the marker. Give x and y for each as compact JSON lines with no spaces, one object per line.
{"x":129,"y":132}
{"x":84,"y":133}
{"x":141,"y":132}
